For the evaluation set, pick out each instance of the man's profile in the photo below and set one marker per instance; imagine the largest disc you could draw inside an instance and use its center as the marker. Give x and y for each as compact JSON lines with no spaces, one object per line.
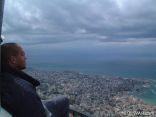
{"x":18,"y":93}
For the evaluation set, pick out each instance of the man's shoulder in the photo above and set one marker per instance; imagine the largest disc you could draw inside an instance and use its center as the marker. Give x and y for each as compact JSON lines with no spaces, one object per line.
{"x":6,"y":75}
{"x":7,"y":78}
{"x":12,"y":81}
{"x":8,"y":82}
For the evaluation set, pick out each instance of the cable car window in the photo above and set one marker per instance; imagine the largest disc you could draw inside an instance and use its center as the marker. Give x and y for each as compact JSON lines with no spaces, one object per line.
{"x":100,"y":54}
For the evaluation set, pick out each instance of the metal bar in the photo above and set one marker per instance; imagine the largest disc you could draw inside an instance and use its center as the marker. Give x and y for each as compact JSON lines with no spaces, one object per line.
{"x":1,"y":17}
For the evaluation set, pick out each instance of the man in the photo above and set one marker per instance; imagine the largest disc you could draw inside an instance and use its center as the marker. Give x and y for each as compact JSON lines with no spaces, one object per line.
{"x":18,"y":90}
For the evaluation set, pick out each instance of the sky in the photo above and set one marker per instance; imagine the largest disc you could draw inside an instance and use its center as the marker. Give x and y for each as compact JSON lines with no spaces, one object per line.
{"x":111,"y":27}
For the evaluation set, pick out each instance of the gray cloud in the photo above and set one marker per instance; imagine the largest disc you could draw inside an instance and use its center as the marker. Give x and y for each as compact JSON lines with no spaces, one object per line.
{"x":54,"y":21}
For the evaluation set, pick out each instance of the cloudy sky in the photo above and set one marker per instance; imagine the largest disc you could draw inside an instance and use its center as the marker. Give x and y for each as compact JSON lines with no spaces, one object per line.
{"x":112,"y":27}
{"x":58,"y":32}
{"x":53,"y":21}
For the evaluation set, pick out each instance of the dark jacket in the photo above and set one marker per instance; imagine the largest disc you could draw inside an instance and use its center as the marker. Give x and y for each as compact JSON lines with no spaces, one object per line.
{"x":18,"y":94}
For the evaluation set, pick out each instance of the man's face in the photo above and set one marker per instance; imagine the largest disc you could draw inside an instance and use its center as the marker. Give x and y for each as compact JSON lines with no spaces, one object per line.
{"x":19,"y":61}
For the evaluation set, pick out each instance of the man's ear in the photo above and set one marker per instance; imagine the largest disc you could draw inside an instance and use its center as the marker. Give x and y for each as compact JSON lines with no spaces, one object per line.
{"x":12,"y":59}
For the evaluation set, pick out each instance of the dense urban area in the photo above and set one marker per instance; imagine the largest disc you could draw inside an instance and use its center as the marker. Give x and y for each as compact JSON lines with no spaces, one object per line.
{"x":96,"y":95}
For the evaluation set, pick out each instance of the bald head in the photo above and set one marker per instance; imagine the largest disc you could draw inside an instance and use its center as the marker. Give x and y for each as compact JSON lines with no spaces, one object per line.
{"x":9,"y":49}
{"x":12,"y":55}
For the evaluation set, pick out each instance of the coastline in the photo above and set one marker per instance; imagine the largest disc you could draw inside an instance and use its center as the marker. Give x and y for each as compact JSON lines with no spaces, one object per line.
{"x":95,"y":94}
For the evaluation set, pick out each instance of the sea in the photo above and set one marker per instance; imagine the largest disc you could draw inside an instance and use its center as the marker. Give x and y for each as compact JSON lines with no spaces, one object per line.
{"x":140,"y":69}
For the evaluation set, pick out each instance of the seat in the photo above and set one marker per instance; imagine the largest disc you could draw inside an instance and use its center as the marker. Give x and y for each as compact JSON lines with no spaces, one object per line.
{"x":4,"y":113}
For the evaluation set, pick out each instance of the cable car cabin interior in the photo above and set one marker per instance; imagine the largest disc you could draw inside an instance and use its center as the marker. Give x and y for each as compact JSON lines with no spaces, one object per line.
{"x":3,"y":112}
